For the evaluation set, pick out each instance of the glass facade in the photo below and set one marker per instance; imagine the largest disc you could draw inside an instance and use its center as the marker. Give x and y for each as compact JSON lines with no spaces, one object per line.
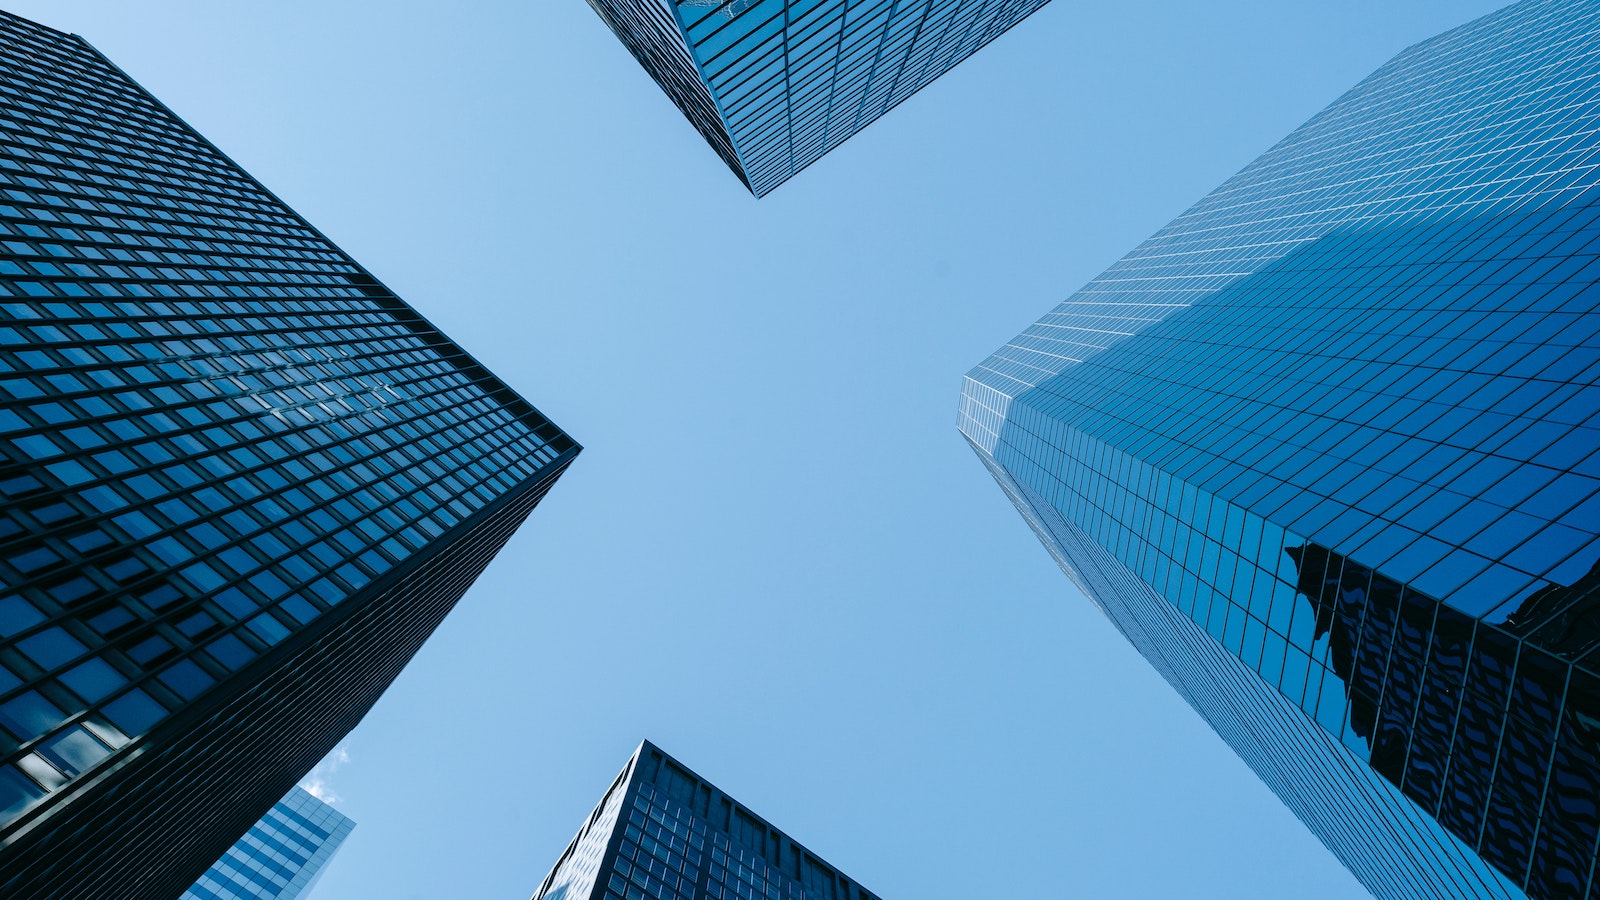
{"x":280,"y":857}
{"x":242,"y":481}
{"x":775,"y":84}
{"x":1326,"y":448}
{"x":663,"y":833}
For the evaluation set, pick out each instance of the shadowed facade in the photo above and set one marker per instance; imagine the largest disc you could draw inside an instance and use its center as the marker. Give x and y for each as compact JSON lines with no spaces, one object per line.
{"x":242,"y":483}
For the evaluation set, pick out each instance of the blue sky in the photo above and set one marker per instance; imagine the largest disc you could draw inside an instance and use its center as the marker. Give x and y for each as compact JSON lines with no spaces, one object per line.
{"x":776,"y":558}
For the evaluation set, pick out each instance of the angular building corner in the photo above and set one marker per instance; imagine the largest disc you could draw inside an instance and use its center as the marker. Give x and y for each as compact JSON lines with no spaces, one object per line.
{"x":1326,"y":450}
{"x":661,"y":832}
{"x":282,"y":856}
{"x":773,"y":85}
{"x":242,"y":483}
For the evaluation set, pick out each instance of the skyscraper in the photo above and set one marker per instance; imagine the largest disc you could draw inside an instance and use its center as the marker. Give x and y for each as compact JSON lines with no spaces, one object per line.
{"x":242,"y":483}
{"x":1326,"y":450}
{"x":281,"y":856}
{"x":772,"y":85}
{"x":661,"y":832}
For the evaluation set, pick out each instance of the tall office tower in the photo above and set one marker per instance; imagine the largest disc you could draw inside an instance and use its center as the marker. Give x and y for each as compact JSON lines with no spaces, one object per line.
{"x":772,"y":85}
{"x":242,"y":483}
{"x":281,"y":856}
{"x":662,"y":832}
{"x":1326,"y":450}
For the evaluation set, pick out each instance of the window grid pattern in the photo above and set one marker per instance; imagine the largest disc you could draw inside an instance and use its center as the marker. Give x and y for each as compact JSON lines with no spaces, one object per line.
{"x":1343,"y":416}
{"x":650,"y":31}
{"x":576,"y":873}
{"x":1495,"y":116}
{"x":281,"y":856}
{"x":674,"y":836}
{"x":792,"y":79}
{"x":215,"y":426}
{"x":662,"y":850}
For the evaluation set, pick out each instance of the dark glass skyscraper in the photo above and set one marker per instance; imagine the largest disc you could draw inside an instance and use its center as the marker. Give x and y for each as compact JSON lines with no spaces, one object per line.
{"x":775,"y":84}
{"x":662,"y":832}
{"x":281,"y":856}
{"x":1326,"y":449}
{"x":242,"y":482}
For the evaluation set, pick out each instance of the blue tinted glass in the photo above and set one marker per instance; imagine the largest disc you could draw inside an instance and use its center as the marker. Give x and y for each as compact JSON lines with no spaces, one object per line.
{"x":134,"y":712}
{"x":230,"y":651}
{"x":280,"y":856}
{"x":17,"y":614}
{"x":186,"y":679}
{"x":93,"y":680}
{"x":29,"y":715}
{"x":774,"y":85}
{"x":51,"y":647}
{"x":1352,"y":394}
{"x":17,"y":792}
{"x":197,"y":390}
{"x":74,"y":750}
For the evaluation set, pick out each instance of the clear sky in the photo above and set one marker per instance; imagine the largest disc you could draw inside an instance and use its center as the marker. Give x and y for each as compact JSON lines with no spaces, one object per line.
{"x":775,"y":558}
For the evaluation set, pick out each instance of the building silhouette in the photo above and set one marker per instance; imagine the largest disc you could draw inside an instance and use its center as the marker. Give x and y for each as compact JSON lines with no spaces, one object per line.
{"x":1326,"y":450}
{"x":664,"y":833}
{"x":281,"y":856}
{"x":242,"y":482}
{"x":773,"y":86}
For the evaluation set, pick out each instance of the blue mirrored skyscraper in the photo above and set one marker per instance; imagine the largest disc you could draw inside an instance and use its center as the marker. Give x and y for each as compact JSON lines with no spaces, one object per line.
{"x":240,"y":484}
{"x":281,"y":856}
{"x":661,"y":832}
{"x":775,"y":84}
{"x":1326,"y":449}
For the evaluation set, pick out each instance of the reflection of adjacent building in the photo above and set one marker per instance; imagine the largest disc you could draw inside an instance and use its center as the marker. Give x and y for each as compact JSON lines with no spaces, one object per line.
{"x":1563,"y":620}
{"x":1495,"y":730}
{"x":1379,"y":338}
{"x":725,"y":8}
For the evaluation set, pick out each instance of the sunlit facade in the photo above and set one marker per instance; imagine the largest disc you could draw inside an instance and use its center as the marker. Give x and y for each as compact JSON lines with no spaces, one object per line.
{"x":1326,"y":449}
{"x":772,"y":85}
{"x":281,"y":856}
{"x":242,"y":482}
{"x":661,"y":832}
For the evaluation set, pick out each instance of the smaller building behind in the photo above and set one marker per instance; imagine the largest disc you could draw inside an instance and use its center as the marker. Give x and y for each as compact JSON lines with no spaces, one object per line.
{"x":281,"y":856}
{"x":664,"y":833}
